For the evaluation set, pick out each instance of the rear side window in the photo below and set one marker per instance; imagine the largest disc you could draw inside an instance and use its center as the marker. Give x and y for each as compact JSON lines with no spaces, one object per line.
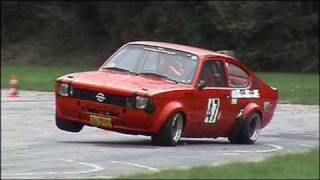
{"x":237,"y":77}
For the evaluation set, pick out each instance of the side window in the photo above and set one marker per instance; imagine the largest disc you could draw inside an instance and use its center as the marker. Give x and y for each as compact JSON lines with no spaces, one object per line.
{"x":237,"y":77}
{"x":213,"y":73}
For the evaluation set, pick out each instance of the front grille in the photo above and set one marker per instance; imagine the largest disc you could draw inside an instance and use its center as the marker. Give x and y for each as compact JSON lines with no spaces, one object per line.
{"x":108,"y":98}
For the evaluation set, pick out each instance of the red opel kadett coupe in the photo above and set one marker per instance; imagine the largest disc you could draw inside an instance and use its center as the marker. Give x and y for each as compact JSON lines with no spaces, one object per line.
{"x":167,"y":91}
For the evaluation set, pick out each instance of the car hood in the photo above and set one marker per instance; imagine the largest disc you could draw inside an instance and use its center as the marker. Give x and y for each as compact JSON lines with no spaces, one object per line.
{"x":121,"y":82}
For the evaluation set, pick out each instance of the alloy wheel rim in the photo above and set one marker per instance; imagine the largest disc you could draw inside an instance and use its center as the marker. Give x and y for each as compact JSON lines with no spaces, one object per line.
{"x":254,"y":128}
{"x":177,"y":127}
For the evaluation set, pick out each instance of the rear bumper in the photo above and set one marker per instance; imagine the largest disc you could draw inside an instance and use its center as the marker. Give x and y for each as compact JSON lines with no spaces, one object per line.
{"x":123,"y":119}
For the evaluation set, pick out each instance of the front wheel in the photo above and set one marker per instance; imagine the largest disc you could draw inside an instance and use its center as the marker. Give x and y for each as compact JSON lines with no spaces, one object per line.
{"x":170,"y":133}
{"x":249,"y":132}
{"x":68,"y":125}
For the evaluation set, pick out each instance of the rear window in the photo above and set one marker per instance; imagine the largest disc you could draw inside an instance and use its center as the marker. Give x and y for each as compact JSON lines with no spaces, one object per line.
{"x":237,"y":77}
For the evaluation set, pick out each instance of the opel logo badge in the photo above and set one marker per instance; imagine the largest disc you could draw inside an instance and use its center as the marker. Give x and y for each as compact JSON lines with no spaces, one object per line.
{"x":100,"y":97}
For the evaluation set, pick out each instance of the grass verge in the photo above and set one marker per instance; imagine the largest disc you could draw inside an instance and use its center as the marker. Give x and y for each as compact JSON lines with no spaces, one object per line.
{"x":38,"y":78}
{"x":293,"y":88}
{"x":289,"y":166}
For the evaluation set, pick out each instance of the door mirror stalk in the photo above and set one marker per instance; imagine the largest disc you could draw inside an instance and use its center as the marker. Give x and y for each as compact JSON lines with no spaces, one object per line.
{"x":202,"y":84}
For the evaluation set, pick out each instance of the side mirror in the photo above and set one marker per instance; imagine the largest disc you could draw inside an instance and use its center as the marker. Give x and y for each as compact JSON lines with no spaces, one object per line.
{"x":202,"y":84}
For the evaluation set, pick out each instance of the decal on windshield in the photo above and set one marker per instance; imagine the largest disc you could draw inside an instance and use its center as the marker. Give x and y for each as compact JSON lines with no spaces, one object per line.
{"x":159,"y":50}
{"x":194,"y":57}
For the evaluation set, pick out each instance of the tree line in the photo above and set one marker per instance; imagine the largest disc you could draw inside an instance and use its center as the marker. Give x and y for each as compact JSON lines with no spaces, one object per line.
{"x":266,"y":35}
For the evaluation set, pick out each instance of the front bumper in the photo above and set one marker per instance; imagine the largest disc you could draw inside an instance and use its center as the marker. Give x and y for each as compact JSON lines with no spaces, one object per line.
{"x":123,"y":119}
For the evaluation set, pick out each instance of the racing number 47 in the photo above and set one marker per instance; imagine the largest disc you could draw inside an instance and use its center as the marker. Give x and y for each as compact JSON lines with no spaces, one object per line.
{"x":213,"y":110}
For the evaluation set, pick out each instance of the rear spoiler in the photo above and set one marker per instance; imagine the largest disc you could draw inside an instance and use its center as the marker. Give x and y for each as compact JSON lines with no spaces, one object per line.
{"x":273,"y":88}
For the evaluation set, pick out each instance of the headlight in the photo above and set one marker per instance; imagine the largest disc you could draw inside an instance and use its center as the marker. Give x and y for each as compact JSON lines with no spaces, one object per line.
{"x":141,"y":102}
{"x":65,"y":89}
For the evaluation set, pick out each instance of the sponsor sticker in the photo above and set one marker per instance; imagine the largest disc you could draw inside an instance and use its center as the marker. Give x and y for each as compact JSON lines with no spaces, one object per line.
{"x":234,"y":101}
{"x":245,"y":93}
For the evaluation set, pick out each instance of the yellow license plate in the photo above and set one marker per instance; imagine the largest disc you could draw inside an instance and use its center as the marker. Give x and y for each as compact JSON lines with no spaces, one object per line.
{"x":99,"y":121}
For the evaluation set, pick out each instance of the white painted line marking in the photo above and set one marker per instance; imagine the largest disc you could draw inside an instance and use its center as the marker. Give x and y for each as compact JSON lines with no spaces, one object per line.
{"x":305,"y":145}
{"x":94,"y":167}
{"x":136,"y":165}
{"x":102,"y":177}
{"x":66,"y":160}
{"x":275,"y":148}
{"x":230,"y":154}
{"x":243,"y":151}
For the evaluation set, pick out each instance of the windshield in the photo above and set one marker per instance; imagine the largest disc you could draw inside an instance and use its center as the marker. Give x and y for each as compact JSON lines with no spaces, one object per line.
{"x":148,"y":60}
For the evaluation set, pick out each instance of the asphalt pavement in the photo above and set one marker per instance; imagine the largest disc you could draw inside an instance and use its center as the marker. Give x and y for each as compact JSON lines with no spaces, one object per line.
{"x":32,"y":146}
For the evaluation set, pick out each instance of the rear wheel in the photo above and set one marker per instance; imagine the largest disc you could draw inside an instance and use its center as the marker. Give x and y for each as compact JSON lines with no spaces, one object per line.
{"x":170,"y":133}
{"x":249,"y":132}
{"x":68,"y":125}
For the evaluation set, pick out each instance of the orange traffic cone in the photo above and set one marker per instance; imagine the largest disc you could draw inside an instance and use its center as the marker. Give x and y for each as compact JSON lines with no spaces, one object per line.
{"x":13,"y":86}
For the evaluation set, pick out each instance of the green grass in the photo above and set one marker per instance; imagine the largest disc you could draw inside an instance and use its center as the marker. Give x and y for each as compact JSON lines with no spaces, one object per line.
{"x":35,"y":77}
{"x":289,"y":166}
{"x":293,"y":88}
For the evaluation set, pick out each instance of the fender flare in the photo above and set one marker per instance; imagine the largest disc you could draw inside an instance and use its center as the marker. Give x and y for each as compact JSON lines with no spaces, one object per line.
{"x":166,"y":112}
{"x":250,"y":108}
{"x":244,"y":113}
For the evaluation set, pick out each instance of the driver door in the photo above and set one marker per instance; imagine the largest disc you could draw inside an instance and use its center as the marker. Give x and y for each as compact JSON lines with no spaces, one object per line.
{"x":213,"y":114}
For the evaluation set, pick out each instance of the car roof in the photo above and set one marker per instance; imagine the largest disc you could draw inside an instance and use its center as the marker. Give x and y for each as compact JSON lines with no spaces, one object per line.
{"x":193,"y":50}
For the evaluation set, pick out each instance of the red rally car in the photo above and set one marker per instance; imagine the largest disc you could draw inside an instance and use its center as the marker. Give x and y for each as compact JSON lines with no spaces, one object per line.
{"x":167,"y":91}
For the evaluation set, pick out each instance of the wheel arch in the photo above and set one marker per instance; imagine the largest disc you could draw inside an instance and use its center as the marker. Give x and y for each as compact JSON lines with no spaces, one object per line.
{"x":167,"y":111}
{"x":184,"y":118}
{"x":250,"y":108}
{"x":236,"y":135}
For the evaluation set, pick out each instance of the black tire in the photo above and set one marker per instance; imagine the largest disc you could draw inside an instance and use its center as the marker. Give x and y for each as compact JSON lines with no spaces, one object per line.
{"x":249,"y":132}
{"x":68,"y":125}
{"x":170,"y":133}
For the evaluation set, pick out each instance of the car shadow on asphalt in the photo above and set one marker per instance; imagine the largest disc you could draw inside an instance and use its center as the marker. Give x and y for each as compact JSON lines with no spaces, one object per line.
{"x":116,"y":144}
{"x":146,"y":144}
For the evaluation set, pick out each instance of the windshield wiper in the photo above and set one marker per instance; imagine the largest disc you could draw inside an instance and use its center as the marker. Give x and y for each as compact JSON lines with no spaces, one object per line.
{"x":120,"y":69}
{"x":157,"y":75}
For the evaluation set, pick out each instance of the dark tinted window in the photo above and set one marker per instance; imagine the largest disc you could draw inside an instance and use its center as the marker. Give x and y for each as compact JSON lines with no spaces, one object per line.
{"x":213,"y":73}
